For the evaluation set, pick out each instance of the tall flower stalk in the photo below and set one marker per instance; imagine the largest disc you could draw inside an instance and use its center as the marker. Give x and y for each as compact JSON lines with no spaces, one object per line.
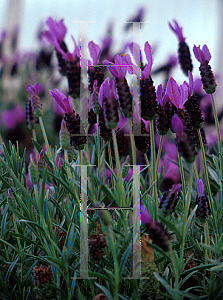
{"x":37,"y":110}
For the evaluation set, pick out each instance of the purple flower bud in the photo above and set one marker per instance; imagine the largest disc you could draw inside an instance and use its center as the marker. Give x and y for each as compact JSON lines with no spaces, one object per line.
{"x":200,"y":187}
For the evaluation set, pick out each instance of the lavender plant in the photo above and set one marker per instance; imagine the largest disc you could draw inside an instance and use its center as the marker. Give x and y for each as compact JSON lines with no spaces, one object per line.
{"x":80,"y":216}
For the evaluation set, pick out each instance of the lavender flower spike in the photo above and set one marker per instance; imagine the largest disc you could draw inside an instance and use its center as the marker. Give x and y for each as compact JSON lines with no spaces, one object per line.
{"x":207,"y":77}
{"x":183,"y":50}
{"x":34,"y":99}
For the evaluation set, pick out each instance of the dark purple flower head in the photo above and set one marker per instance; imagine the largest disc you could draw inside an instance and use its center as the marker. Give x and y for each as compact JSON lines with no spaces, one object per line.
{"x":94,"y":52}
{"x":177,"y":125}
{"x":178,"y":94}
{"x":65,"y":103}
{"x":203,"y":54}
{"x":200,"y":187}
{"x":57,"y":31}
{"x":177,"y":30}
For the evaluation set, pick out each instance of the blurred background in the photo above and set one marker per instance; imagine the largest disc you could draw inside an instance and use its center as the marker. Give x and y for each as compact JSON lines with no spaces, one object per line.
{"x":201,"y":21}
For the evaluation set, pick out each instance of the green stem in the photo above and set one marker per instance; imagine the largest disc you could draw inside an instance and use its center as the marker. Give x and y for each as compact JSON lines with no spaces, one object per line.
{"x":110,"y":162}
{"x":182,"y":175}
{"x":45,"y":137}
{"x":186,"y":211}
{"x":219,"y":145}
{"x":207,"y":181}
{"x":34,"y":138}
{"x":98,"y":148}
{"x":123,"y":204}
{"x":148,"y":164}
{"x":112,"y":244}
{"x":207,"y":240}
{"x":20,"y":246}
{"x":159,"y":155}
{"x":153,"y":164}
{"x":132,"y":142}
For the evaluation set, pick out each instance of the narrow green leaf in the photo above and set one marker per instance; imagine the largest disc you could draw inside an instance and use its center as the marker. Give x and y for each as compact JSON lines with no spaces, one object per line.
{"x":172,"y":227}
{"x":189,"y":220}
{"x":167,"y":286}
{"x":105,"y":291}
{"x":159,"y":250}
{"x":124,"y":260}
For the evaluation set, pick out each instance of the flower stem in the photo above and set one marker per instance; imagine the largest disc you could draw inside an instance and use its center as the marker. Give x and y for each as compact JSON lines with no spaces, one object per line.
{"x":153,"y":164}
{"x":207,"y":240}
{"x":98,"y":148}
{"x":34,"y":138}
{"x":159,"y":155}
{"x":132,"y":143}
{"x":186,"y":211}
{"x":182,"y":175}
{"x":207,"y":181}
{"x":219,"y":146}
{"x":45,"y":137}
{"x":123,"y":204}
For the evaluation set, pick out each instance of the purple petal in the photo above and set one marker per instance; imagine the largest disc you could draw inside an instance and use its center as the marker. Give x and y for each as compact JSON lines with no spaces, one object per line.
{"x":206,"y":52}
{"x":94,"y":52}
{"x":121,"y":66}
{"x":143,"y":214}
{"x":176,"y":188}
{"x":148,"y":51}
{"x":103,"y":90}
{"x":128,"y":62}
{"x":200,"y":187}
{"x":111,"y":68}
{"x":159,"y":94}
{"x":177,"y":30}
{"x":57,"y":29}
{"x":172,"y":90}
{"x":64,"y":103}
{"x":37,"y":87}
{"x":199,"y":54}
{"x":183,"y":94}
{"x":136,"y":52}
{"x":177,"y":125}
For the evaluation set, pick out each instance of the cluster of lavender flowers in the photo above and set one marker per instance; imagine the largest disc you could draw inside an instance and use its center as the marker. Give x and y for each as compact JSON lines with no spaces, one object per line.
{"x":111,"y":104}
{"x":172,"y":107}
